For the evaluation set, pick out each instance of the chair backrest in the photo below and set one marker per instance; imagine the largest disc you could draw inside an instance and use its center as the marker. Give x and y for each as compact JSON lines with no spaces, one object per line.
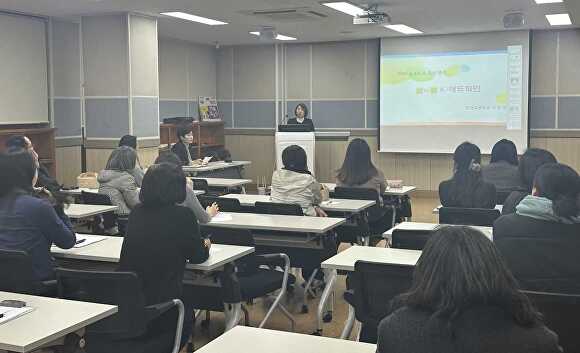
{"x":501,"y":196}
{"x":200,"y":184}
{"x":561,"y":313}
{"x":225,"y":204}
{"x":410,"y":239}
{"x":239,"y":237}
{"x":91,"y":198}
{"x":17,"y":274}
{"x":374,"y":212}
{"x":375,"y":285}
{"x":468,"y":216}
{"x":287,"y":209}
{"x":114,"y":288}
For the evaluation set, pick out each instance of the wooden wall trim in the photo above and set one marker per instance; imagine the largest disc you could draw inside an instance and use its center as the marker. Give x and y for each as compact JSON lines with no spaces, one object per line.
{"x":555,"y":133}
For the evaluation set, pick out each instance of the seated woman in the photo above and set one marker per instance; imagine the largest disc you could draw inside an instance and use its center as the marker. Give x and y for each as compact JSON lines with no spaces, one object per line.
{"x":463,"y":299}
{"x":131,"y":141}
{"x":295,"y":184}
{"x":161,"y":238}
{"x":183,"y":147}
{"x":358,"y":170}
{"x":502,"y":171}
{"x":466,"y":188}
{"x":191,"y":201}
{"x":540,"y":241}
{"x":531,"y":160}
{"x":28,"y":221}
{"x":118,"y":183}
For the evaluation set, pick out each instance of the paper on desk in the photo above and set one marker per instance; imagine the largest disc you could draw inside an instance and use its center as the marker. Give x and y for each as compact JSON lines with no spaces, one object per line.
{"x":12,"y":313}
{"x":87,"y":239}
{"x":221,"y":217}
{"x":329,"y":203}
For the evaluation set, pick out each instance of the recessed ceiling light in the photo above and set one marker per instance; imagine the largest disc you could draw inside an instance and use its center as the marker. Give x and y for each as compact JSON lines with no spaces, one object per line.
{"x":561,"y":19}
{"x":547,"y":1}
{"x":346,"y":7}
{"x":194,"y":18}
{"x":403,"y":29}
{"x":278,"y":36}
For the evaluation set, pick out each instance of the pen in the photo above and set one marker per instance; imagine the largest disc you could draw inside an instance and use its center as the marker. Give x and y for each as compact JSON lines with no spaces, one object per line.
{"x":1,"y":316}
{"x":79,"y":241}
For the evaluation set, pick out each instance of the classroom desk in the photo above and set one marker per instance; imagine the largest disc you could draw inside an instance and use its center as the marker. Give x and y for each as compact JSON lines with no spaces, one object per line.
{"x":346,"y":260}
{"x":50,"y":320}
{"x":336,"y":205}
{"x":487,"y":231}
{"x":255,"y":340}
{"x":402,"y":191}
{"x":109,"y":250}
{"x":77,"y":211}
{"x":226,"y":183}
{"x":436,"y":209}
{"x":218,"y":169}
{"x":77,"y":192}
{"x":282,"y":223}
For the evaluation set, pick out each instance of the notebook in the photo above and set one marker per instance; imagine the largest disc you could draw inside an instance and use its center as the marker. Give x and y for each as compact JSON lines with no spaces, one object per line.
{"x":10,"y":313}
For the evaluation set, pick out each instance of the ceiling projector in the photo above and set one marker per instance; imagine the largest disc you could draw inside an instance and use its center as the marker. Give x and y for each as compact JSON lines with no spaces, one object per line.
{"x":372,"y":16}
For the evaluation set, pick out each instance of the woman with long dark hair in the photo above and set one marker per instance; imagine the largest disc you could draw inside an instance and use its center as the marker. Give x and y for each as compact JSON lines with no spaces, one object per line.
{"x":502,"y":171}
{"x":463,"y":299}
{"x":466,"y":188}
{"x":358,"y":170}
{"x":540,"y":241}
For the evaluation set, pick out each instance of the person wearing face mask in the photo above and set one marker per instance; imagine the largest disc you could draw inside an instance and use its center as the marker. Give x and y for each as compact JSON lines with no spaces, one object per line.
{"x":183,"y":148}
{"x":466,"y":188}
{"x":301,"y":117}
{"x":28,"y":221}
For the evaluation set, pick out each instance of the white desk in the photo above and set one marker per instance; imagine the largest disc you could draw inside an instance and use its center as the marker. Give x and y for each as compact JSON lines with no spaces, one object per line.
{"x":487,"y":231}
{"x":301,"y":224}
{"x":402,"y":191}
{"x":225,"y":182}
{"x":77,"y":192}
{"x":50,"y":320}
{"x":436,"y":209}
{"x":255,"y":340}
{"x":215,"y":166}
{"x":346,"y":260}
{"x":337,"y":205}
{"x":77,"y":211}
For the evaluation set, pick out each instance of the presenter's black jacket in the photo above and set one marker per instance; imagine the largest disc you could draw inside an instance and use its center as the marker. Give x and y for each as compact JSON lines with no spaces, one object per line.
{"x":482,"y":195}
{"x":156,"y":247}
{"x":306,"y":121}
{"x":180,"y":149}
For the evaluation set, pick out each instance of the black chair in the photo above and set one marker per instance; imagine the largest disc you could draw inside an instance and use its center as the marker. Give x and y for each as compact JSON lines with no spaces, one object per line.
{"x":380,"y":218}
{"x":278,"y":208}
{"x":468,"y":216}
{"x":501,"y":196}
{"x":410,"y":239}
{"x":373,"y":286}
{"x":17,"y":275}
{"x":200,"y":184}
{"x":255,"y":281}
{"x":107,"y":220}
{"x":561,"y":313}
{"x":136,"y":327}
{"x":225,"y":204}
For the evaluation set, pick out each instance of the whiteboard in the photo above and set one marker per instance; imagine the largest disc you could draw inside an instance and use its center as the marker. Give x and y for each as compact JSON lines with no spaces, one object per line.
{"x":23,"y":70}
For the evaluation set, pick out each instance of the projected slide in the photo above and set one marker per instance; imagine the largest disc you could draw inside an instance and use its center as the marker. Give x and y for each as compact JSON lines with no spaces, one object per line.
{"x":455,"y":88}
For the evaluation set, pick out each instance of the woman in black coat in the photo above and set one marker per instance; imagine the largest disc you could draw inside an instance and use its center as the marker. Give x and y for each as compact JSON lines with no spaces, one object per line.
{"x":183,"y":148}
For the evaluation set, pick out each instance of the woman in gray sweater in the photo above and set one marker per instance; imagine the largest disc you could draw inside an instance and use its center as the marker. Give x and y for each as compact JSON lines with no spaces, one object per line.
{"x":118,"y":182}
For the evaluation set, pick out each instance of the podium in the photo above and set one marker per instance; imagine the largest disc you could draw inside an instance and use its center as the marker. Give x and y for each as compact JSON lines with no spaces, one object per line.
{"x":302,"y":139}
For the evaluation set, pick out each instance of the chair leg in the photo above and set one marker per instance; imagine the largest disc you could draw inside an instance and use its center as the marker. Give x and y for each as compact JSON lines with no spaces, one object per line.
{"x":307,"y":289}
{"x":205,"y":322}
{"x":289,"y":316}
{"x":246,"y":316}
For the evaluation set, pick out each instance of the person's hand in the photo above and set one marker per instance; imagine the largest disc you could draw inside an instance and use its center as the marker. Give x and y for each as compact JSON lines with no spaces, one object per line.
{"x":213,"y":209}
{"x":207,"y":243}
{"x":320,"y":212}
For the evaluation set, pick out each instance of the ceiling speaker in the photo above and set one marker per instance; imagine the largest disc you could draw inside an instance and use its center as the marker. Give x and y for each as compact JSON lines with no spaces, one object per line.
{"x":513,"y":20}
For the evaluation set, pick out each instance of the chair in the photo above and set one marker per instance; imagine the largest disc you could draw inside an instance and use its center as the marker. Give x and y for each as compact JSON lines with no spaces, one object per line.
{"x":107,"y":220}
{"x":200,"y":184}
{"x":255,"y":281}
{"x":17,"y":275}
{"x":410,"y":239}
{"x":373,"y":286}
{"x":225,"y":204}
{"x":561,"y":312}
{"x":278,"y":208}
{"x":501,"y":196}
{"x":133,"y":328}
{"x":468,"y":216}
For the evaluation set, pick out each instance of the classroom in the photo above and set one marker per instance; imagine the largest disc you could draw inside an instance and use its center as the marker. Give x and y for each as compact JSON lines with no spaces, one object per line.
{"x":289,"y":176}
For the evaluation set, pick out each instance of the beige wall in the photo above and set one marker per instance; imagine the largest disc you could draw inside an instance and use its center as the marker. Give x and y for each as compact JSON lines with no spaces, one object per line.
{"x":68,"y":165}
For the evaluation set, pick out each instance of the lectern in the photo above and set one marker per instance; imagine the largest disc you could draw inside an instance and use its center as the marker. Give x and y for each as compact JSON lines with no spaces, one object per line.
{"x":288,"y":135}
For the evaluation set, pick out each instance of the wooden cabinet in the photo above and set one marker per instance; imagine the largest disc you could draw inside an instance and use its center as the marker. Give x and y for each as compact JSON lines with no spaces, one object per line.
{"x":42,"y":138}
{"x":208,"y":136}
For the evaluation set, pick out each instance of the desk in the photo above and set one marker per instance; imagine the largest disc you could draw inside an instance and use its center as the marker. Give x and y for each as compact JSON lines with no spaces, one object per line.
{"x":227,"y":184}
{"x":336,"y":205}
{"x":109,"y":251}
{"x":77,"y":192}
{"x":402,"y":191}
{"x":345,"y":261}
{"x":218,"y":169}
{"x":487,"y":231}
{"x":50,"y":320}
{"x":282,"y":223}
{"x":77,"y":211}
{"x":255,"y":340}
{"x":436,"y":209}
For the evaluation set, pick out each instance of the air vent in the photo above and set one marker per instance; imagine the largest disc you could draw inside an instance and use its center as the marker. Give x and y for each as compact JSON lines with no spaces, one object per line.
{"x":287,"y":15}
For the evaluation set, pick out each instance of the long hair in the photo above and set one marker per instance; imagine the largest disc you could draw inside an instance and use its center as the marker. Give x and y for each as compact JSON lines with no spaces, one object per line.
{"x":294,"y":159}
{"x":467,"y":172}
{"x":122,"y":158}
{"x":17,"y":171}
{"x":531,"y":160}
{"x":357,"y":167}
{"x":459,"y":269}
{"x":504,"y":150}
{"x":561,"y":184}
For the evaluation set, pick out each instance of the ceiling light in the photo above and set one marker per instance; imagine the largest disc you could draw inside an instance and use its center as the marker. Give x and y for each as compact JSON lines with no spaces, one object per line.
{"x":561,"y":19}
{"x":346,"y":7}
{"x":194,"y":18}
{"x":547,"y":1}
{"x":278,"y":36}
{"x":403,"y":29}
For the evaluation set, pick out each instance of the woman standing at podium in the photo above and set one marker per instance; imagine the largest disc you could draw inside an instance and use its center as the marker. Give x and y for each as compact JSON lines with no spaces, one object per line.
{"x":301,"y":117}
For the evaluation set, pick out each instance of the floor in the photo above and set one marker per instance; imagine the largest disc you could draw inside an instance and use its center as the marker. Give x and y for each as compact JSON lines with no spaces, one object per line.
{"x":422,"y":205}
